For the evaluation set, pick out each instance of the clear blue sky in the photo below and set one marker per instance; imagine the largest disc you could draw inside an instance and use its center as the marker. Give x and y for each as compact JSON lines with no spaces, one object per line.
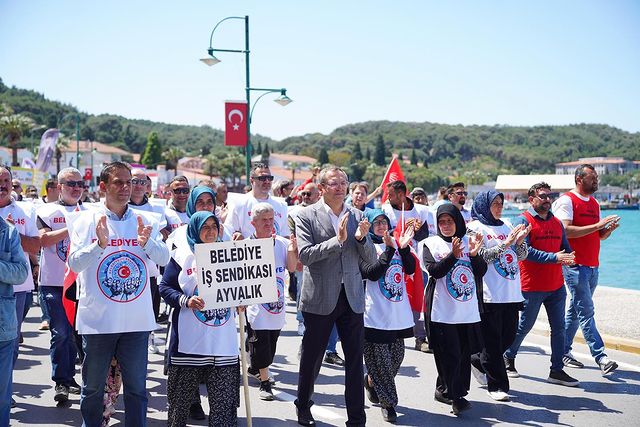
{"x":455,"y":62}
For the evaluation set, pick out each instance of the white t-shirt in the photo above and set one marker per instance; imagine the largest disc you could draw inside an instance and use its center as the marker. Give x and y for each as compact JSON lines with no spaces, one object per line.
{"x":24,"y":219}
{"x":270,"y":316}
{"x":239,"y":216}
{"x":175,"y":219}
{"x":563,"y":207}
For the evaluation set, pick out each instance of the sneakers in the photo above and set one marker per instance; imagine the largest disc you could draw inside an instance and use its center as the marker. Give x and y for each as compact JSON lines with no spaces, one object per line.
{"x":498,"y":395}
{"x":389,"y":414}
{"x":61,"y":393}
{"x":510,"y":366}
{"x":371,"y":392}
{"x":256,"y":374}
{"x":441,"y":397}
{"x":571,"y":362}
{"x":333,"y":359}
{"x":196,"y":412}
{"x":265,"y":391}
{"x":74,"y":387}
{"x":460,"y":405}
{"x":561,"y":377}
{"x":301,"y":329}
{"x":153,"y":348}
{"x":480,"y":376}
{"x":607,"y":366}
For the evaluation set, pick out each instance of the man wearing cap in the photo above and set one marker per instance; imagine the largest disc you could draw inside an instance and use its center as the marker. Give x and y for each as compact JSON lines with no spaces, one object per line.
{"x":419,"y":197}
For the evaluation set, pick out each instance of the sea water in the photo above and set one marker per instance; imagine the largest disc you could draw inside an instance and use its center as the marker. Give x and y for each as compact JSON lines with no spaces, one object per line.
{"x":620,"y":253}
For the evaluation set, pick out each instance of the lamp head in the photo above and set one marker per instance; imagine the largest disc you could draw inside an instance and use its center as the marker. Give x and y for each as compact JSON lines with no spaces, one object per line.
{"x":211,"y":60}
{"x":283,"y":99}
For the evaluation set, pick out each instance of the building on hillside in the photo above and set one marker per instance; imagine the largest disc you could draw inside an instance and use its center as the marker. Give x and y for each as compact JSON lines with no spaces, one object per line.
{"x":6,"y":153}
{"x":91,"y":153}
{"x":289,"y":166}
{"x":602,"y":165}
{"x":516,"y":187}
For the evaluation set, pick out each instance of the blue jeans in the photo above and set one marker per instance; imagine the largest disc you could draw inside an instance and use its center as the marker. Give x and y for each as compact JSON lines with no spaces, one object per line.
{"x":554,"y":303}
{"x":21,"y":298}
{"x":333,"y":340}
{"x":299,"y":317}
{"x":43,"y":304}
{"x":63,"y":348}
{"x":6,"y":380}
{"x":582,"y":282}
{"x":131,"y":351}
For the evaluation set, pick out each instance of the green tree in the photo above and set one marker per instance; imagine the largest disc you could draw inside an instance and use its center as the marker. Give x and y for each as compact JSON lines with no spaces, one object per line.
{"x":172,"y":155}
{"x":265,"y":154}
{"x":129,"y":136}
{"x":380,"y":151}
{"x":367,"y":154}
{"x":259,"y":148}
{"x":323,"y":157}
{"x":14,"y":126}
{"x":357,"y":152}
{"x":152,"y":155}
{"x":414,"y":157}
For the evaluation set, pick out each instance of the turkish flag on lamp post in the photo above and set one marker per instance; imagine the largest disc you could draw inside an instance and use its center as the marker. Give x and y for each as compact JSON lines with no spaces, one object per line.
{"x":236,"y":117}
{"x":394,"y":173}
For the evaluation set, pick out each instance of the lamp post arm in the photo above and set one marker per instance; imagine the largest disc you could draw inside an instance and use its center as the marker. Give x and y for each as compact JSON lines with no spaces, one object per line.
{"x":266,"y":92}
{"x":220,"y":22}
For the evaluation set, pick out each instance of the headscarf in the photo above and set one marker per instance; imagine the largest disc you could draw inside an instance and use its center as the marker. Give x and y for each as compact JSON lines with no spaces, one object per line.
{"x":371,"y":215}
{"x":196,"y":222}
{"x":451,"y":210}
{"x":193,"y":197}
{"x":481,"y":209}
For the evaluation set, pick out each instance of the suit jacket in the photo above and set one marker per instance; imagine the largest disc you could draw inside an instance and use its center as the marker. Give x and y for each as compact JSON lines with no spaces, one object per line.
{"x":327,"y":264}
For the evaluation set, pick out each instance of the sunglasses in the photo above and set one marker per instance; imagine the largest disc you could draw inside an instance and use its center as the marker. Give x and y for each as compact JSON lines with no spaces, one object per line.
{"x":74,"y":184}
{"x":181,"y":191}
{"x":137,"y":181}
{"x":264,"y":178}
{"x":16,"y":185}
{"x":544,"y":196}
{"x":305,"y":193}
{"x":460,"y":193}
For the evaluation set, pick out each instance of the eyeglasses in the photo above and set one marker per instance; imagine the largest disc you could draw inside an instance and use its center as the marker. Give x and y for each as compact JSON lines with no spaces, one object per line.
{"x":138,"y":181}
{"x":181,"y":191}
{"x":16,"y":185}
{"x":544,"y":196}
{"x":305,"y":193}
{"x":263,"y":178}
{"x":460,"y":193}
{"x":74,"y":184}
{"x":379,"y":222}
{"x":336,"y":184}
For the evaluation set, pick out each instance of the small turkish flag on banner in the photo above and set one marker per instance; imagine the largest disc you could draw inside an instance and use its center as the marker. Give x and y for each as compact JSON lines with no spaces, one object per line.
{"x":236,"y":117}
{"x":394,"y":173}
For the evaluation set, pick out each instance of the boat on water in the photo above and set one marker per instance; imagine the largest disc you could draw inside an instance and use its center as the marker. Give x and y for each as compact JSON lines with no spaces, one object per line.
{"x":619,"y":205}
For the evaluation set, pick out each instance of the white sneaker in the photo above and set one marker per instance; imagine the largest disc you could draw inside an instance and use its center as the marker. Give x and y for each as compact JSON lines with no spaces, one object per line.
{"x":498,"y":395}
{"x":301,"y":329}
{"x":481,"y":377}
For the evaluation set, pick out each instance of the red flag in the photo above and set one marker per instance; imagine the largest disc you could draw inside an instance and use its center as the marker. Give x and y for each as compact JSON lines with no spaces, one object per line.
{"x":69,"y":300}
{"x":235,"y":118}
{"x":394,"y":173}
{"x":415,"y":281}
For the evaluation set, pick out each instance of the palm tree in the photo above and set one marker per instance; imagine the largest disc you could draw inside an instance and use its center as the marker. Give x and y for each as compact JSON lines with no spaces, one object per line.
{"x":14,"y":126}
{"x":172,"y":155}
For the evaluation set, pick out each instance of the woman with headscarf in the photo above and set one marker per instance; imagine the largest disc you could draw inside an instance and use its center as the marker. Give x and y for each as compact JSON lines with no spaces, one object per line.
{"x":203,"y":344}
{"x":388,"y":319}
{"x":503,"y":246}
{"x":454,"y":268}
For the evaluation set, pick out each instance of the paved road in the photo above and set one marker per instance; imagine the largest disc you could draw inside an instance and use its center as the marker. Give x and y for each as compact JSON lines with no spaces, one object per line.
{"x":598,"y":401}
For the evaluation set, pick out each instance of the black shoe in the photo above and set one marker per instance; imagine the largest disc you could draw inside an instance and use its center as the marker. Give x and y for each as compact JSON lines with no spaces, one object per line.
{"x":460,"y":405}
{"x":561,"y":377}
{"x":333,"y":359}
{"x":371,"y":392}
{"x":74,"y":387}
{"x":196,"y":412}
{"x":389,"y":414}
{"x":510,"y":366}
{"x":440,"y":397}
{"x":304,"y":414}
{"x":606,"y":365}
{"x":13,"y":403}
{"x":265,"y":391}
{"x":61,"y":393}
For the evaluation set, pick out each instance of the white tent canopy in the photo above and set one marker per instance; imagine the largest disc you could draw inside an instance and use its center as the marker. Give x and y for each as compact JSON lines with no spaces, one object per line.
{"x":522,"y":183}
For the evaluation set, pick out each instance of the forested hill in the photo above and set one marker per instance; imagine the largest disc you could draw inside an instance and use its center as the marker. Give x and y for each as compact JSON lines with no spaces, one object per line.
{"x":129,"y":134}
{"x":498,"y":148}
{"x":438,"y":152}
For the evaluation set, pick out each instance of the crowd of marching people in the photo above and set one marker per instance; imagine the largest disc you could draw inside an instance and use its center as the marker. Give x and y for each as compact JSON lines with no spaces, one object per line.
{"x":465,"y":284}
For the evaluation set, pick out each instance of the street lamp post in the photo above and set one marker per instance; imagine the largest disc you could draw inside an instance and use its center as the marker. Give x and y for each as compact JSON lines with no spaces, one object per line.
{"x":212,"y":60}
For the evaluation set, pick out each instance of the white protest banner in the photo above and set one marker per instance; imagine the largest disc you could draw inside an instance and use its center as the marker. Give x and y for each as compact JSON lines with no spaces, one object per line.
{"x":240,"y":272}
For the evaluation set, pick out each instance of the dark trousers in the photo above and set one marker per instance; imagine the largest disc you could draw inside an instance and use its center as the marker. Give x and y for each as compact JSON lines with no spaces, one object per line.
{"x":451,"y":352}
{"x":498,"y":327}
{"x":351,"y":331}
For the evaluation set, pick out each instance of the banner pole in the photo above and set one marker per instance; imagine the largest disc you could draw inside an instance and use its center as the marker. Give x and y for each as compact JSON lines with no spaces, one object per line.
{"x":243,"y":364}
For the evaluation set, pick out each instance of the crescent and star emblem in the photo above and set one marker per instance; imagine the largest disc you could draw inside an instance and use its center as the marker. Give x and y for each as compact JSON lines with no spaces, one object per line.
{"x":233,"y":113}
